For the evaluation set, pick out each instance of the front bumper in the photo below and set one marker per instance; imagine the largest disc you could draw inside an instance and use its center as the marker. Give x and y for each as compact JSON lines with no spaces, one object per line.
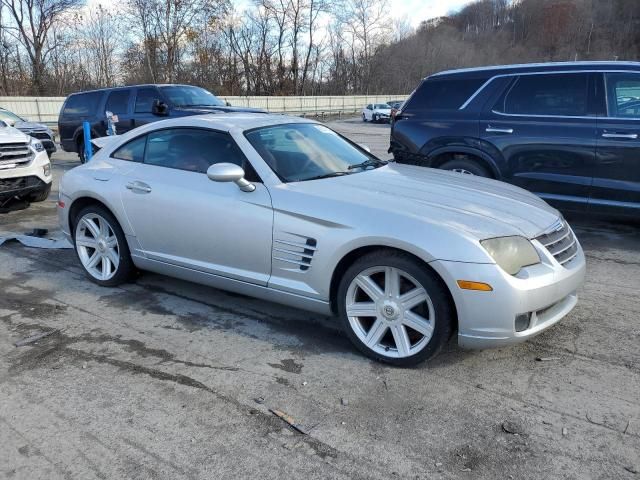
{"x":547,"y":291}
{"x":27,"y":179}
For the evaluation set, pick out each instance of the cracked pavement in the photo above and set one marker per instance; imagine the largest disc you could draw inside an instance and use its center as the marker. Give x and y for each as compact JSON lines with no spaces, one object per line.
{"x":163,"y":379}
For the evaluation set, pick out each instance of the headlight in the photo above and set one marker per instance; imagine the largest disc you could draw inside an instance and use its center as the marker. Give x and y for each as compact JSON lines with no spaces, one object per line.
{"x":36,"y":145}
{"x":511,"y":253}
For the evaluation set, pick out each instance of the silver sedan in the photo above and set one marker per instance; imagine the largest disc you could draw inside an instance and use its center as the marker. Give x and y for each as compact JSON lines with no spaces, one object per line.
{"x":287,"y":210}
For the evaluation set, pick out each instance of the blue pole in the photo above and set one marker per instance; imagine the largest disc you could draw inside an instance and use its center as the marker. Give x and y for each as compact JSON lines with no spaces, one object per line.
{"x":88,"y":151}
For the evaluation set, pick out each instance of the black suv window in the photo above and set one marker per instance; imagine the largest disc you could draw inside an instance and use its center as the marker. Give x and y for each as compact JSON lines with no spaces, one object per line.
{"x":145,"y":98}
{"x":547,"y":94}
{"x":443,"y":94}
{"x":82,"y":104}
{"x":623,"y":93}
{"x":132,"y":151}
{"x":191,"y":149}
{"x":118,"y":101}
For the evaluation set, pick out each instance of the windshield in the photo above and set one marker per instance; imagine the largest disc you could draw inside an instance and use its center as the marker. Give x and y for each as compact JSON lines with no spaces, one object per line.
{"x":185,"y":96}
{"x":10,"y":116}
{"x":382,"y":106}
{"x":307,"y":151}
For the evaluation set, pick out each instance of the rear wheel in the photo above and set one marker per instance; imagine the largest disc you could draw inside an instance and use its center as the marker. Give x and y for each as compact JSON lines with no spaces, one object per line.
{"x":101,"y":247}
{"x":467,"y":166}
{"x":394,"y":309}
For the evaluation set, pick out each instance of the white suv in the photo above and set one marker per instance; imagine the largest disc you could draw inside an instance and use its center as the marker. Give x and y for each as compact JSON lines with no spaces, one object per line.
{"x":25,"y":169}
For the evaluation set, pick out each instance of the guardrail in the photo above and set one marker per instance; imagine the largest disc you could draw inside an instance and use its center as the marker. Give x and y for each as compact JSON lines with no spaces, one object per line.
{"x":46,"y":109}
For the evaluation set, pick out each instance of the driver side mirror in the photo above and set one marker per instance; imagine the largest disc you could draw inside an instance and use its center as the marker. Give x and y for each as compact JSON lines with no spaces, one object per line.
{"x":159,"y":108}
{"x":230,"y":172}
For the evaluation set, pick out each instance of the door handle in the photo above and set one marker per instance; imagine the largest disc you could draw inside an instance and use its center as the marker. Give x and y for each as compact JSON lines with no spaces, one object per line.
{"x":491,"y":129}
{"x":626,"y":136}
{"x":138,"y":187}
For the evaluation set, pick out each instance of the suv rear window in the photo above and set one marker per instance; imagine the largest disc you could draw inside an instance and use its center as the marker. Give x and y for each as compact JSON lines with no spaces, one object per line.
{"x":547,"y":94}
{"x":82,"y":104}
{"x":443,"y":94}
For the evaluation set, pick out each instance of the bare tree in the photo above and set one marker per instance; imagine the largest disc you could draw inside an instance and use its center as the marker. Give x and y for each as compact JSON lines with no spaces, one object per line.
{"x":34,"y":20}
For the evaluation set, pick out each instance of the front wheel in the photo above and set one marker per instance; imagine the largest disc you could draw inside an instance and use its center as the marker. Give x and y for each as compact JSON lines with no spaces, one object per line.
{"x":466,"y":166}
{"x":101,"y":247}
{"x":364,"y":117}
{"x":41,"y":195}
{"x":395,"y":309}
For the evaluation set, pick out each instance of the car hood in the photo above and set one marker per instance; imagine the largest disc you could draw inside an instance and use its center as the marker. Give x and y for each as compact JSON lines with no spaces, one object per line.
{"x":382,"y":110}
{"x":482,"y":207}
{"x":221,"y":108}
{"x":30,"y":126}
{"x":12,"y":135}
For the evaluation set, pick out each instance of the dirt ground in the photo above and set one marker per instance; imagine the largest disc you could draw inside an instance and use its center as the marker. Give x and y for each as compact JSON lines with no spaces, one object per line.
{"x":163,"y":379}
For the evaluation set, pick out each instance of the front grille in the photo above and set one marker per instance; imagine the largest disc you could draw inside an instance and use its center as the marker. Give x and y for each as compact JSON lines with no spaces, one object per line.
{"x":560,"y":242}
{"x":15,"y":153}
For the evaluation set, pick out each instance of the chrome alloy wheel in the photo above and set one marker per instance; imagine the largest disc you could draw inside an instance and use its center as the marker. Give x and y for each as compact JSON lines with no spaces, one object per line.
{"x":461,"y":170}
{"x":390,"y":312}
{"x":97,"y":246}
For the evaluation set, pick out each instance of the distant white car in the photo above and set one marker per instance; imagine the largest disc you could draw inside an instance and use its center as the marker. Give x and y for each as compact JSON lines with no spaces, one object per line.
{"x":376,"y":112}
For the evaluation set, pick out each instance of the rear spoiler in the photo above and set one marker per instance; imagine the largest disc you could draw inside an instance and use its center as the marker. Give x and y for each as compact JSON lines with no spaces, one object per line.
{"x":102,"y":142}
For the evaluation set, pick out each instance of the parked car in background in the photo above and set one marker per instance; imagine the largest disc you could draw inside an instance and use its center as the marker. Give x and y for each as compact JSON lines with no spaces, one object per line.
{"x":569,"y":132}
{"x":395,"y":108}
{"x":376,"y":112}
{"x":33,"y":129}
{"x":284,"y":209}
{"x":25,"y":169}
{"x":134,"y":106}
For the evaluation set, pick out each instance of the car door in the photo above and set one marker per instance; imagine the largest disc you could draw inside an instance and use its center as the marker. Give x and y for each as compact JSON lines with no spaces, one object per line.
{"x":616,"y":182}
{"x":119,"y":103}
{"x":143,"y":106}
{"x":544,"y":126}
{"x":182,"y":218}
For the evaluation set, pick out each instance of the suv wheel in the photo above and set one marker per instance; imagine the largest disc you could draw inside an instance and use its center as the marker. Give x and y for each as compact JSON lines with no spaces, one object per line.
{"x":393,"y":309}
{"x":467,"y":166}
{"x":101,"y":247}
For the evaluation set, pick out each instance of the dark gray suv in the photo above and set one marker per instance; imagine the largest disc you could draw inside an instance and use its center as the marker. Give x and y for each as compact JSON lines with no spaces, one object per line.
{"x":569,"y":132}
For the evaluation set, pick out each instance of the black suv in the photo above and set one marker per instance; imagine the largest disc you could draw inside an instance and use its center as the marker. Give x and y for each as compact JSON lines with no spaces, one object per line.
{"x":569,"y":132}
{"x":134,"y":105}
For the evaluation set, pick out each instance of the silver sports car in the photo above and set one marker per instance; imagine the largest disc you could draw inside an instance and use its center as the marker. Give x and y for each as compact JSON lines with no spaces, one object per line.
{"x":287,"y":210}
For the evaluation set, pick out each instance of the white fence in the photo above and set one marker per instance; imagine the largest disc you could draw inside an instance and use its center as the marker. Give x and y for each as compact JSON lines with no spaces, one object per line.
{"x":46,"y":109}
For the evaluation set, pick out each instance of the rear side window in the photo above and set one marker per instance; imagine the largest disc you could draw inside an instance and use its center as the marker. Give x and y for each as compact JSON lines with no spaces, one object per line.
{"x":623,"y":94}
{"x":443,"y":94}
{"x":191,"y":149}
{"x":82,"y":104}
{"x":132,"y":151}
{"x":145,"y":98}
{"x":549,"y":95}
{"x":118,"y":101}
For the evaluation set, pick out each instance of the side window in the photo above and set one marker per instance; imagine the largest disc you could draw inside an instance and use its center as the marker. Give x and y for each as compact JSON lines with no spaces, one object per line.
{"x":132,"y":151}
{"x":82,"y":104}
{"x":145,"y":98}
{"x":118,"y":101}
{"x":623,"y":95}
{"x":443,"y":94}
{"x":369,"y":107}
{"x":550,"y":95}
{"x":191,"y":149}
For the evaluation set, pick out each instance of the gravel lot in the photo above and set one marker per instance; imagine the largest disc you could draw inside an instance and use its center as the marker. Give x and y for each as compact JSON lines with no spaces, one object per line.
{"x":162,"y":379}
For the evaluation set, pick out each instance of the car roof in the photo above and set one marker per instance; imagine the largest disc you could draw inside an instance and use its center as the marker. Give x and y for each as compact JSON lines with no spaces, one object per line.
{"x":226,"y":122}
{"x":494,"y":70}
{"x":142,"y":85}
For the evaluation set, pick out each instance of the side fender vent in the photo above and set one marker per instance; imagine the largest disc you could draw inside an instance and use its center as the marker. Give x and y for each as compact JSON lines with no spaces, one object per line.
{"x":295,"y":250}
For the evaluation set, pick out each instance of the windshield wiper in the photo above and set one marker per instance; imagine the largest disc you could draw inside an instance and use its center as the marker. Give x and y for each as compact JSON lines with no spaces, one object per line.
{"x":368,"y":163}
{"x":327,"y":175}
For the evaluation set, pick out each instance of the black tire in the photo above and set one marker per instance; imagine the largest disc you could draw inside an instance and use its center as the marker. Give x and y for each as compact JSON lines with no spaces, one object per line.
{"x":437,"y":291}
{"x":375,"y":119}
{"x":81,"y":154}
{"x":41,"y":195}
{"x":468,"y":166}
{"x":364,"y":118}
{"x":126,"y":269}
